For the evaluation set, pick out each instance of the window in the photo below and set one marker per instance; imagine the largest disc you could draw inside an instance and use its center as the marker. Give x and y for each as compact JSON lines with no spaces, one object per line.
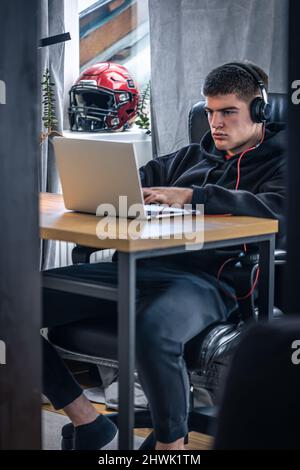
{"x":116,"y":31}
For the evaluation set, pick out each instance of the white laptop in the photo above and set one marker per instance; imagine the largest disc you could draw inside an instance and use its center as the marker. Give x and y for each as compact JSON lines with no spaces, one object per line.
{"x":94,"y":174}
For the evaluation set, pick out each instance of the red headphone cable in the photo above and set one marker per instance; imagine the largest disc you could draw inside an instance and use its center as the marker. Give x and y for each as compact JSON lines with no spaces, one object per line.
{"x":245,"y":246}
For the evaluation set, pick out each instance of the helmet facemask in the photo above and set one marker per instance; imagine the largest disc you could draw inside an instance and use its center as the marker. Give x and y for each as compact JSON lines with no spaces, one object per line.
{"x":92,"y":108}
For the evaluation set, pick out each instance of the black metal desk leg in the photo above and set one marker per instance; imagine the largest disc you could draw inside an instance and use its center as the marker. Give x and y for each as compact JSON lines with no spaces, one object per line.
{"x":266,"y":279}
{"x":126,"y":347}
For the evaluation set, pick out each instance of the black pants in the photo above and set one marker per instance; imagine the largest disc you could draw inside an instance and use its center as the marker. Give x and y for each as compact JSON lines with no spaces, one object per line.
{"x":173,"y":305}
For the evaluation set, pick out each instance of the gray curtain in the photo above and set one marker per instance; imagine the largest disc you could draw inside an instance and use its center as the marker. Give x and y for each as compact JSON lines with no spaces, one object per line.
{"x":191,"y":37}
{"x":52,"y":23}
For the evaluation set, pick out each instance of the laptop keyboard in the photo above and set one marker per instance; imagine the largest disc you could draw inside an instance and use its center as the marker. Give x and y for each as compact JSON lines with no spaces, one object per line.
{"x":155,"y":209}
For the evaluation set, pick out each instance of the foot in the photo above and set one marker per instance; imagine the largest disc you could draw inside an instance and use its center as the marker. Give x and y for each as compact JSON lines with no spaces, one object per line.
{"x":176,"y":445}
{"x":100,"y":434}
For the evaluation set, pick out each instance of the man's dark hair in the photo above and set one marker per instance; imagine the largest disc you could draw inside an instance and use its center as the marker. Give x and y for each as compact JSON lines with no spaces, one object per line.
{"x":228,"y":79}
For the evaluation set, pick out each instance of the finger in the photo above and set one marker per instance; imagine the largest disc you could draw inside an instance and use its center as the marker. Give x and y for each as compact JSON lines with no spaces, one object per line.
{"x":153,"y":198}
{"x":147,"y":196}
{"x":146,"y":190}
{"x":149,"y":199}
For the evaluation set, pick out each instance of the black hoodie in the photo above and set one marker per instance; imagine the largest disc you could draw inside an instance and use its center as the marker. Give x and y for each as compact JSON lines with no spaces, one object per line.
{"x":204,"y":168}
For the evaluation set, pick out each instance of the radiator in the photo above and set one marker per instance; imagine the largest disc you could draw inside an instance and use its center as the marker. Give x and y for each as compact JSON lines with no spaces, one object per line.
{"x":63,"y":255}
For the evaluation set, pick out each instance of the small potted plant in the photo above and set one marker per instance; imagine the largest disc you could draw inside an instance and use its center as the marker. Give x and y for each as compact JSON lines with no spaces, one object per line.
{"x":49,"y":113}
{"x":143,"y":120}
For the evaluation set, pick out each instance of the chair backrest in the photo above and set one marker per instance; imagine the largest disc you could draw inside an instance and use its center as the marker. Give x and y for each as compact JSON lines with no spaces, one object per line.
{"x":198,"y":123}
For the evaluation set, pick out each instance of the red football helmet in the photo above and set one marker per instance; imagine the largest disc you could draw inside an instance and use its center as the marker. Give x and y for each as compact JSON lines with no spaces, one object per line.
{"x":105,"y":97}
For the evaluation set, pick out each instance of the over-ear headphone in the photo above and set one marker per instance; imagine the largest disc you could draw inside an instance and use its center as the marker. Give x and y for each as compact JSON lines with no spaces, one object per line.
{"x":260,"y":109}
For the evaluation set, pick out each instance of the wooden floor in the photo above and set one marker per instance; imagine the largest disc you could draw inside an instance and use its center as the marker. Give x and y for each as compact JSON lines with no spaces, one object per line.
{"x":196,"y":441}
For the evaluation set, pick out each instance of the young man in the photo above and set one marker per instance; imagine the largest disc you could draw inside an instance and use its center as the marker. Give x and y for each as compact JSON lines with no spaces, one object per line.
{"x":238,"y":168}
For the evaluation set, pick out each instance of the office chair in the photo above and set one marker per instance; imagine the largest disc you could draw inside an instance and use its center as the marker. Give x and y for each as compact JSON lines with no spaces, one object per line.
{"x":269,"y":386}
{"x":207,"y":354}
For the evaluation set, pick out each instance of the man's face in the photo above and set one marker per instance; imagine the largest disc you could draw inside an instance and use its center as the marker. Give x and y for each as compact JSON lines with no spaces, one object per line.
{"x":230,"y":123}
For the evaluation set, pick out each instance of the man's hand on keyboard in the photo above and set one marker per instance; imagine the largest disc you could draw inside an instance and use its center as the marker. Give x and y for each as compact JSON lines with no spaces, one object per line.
{"x":167,"y":195}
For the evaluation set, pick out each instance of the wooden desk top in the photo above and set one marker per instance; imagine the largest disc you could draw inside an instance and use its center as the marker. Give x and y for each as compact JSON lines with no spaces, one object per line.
{"x":56,"y":223}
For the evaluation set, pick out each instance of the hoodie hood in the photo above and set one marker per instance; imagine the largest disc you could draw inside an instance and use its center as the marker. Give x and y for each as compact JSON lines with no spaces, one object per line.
{"x":274,"y":140}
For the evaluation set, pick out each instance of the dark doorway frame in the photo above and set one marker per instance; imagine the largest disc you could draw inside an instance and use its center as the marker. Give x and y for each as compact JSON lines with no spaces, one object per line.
{"x":292,"y":301}
{"x":20,"y":306}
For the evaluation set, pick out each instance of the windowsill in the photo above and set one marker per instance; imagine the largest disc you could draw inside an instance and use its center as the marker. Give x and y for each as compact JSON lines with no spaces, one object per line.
{"x":132,"y":134}
{"x":141,"y":141}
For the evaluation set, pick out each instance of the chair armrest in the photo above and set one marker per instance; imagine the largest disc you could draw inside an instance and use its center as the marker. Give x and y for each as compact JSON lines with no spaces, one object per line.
{"x":252,"y":259}
{"x":280,"y":256}
{"x":82,"y":254}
